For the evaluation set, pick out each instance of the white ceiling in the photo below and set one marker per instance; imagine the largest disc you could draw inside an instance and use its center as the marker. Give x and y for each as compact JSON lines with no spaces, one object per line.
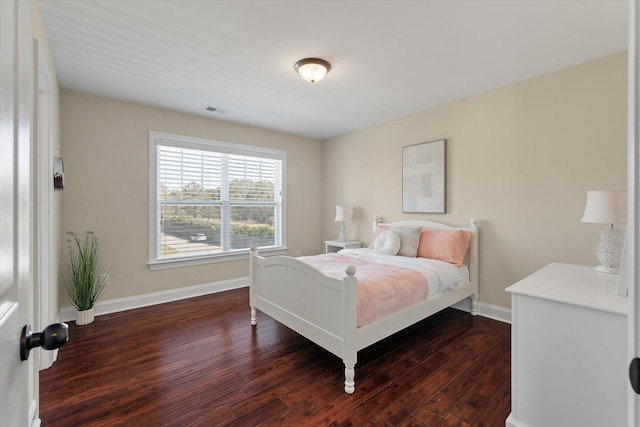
{"x":389,"y":58}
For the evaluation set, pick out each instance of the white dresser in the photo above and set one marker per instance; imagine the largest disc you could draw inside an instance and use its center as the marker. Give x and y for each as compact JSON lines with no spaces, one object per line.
{"x":568,"y":349}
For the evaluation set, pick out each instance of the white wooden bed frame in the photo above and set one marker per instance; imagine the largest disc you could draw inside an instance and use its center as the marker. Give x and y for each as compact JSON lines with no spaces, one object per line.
{"x":324,"y":310}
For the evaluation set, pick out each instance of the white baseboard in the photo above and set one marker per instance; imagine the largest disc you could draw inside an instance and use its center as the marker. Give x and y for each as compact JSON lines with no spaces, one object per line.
{"x":486,"y":310}
{"x":138,"y":301}
{"x":512,"y":422}
{"x":48,"y":358}
{"x":122,"y":304}
{"x":34,"y":420}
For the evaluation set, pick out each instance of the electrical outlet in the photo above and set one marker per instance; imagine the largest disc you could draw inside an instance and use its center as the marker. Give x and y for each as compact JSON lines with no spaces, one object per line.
{"x":298,"y":252}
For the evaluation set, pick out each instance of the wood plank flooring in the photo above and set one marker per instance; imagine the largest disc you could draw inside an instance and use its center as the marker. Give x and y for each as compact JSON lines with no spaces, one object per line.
{"x":199,"y":362}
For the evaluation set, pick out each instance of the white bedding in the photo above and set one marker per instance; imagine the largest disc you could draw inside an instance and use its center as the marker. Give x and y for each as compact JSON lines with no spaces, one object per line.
{"x":441,"y":276}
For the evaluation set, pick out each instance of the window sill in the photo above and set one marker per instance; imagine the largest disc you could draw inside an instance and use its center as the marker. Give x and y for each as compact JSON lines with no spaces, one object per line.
{"x":239,"y":255}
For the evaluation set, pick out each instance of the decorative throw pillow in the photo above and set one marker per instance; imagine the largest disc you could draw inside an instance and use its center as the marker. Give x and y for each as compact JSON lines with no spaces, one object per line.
{"x":409,"y":238}
{"x":445,"y":245}
{"x":379,"y":229}
{"x":387,"y":242}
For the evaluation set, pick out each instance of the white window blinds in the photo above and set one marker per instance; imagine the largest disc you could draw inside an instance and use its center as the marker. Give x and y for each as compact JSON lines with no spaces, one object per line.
{"x":214,"y":198}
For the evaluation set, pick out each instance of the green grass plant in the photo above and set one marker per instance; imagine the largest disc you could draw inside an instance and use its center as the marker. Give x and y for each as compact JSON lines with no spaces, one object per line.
{"x":85,"y":278}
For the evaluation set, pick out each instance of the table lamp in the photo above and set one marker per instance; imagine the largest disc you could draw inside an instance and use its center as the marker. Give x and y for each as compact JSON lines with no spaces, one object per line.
{"x":343,"y":213}
{"x":608,"y":207}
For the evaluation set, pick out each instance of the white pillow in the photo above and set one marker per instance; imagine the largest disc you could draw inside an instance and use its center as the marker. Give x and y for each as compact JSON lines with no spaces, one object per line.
{"x":387,"y":242}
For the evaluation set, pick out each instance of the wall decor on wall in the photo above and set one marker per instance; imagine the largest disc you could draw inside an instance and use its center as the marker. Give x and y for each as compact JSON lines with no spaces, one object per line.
{"x":423,"y":177}
{"x":58,"y":174}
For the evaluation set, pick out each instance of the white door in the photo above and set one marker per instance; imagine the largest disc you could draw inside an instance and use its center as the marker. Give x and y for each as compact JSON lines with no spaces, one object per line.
{"x":15,"y":75}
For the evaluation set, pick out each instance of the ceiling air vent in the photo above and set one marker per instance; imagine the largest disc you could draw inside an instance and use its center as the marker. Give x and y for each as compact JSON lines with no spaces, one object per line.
{"x":216,"y":110}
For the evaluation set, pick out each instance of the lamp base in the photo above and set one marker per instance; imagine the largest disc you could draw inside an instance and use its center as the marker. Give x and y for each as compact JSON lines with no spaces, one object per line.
{"x":609,"y":270}
{"x":609,"y":250}
{"x":343,"y":234}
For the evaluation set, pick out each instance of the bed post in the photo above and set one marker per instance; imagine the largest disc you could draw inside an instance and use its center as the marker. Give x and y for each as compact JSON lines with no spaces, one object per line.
{"x":376,"y":221}
{"x":252,"y":284}
{"x":350,"y":325}
{"x":473,"y":266}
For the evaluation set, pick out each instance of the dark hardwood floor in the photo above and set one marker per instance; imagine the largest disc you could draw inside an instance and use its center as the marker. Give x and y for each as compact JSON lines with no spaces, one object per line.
{"x":199,"y":362}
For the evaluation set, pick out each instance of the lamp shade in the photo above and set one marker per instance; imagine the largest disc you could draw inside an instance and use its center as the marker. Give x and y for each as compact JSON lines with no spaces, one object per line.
{"x":343,"y":213}
{"x":606,"y":207}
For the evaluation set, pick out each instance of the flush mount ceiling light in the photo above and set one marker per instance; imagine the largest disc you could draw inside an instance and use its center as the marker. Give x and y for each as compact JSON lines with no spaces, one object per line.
{"x":312,"y":69}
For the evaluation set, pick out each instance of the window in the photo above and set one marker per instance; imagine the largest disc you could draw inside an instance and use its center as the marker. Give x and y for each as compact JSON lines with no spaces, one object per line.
{"x":212,"y":201}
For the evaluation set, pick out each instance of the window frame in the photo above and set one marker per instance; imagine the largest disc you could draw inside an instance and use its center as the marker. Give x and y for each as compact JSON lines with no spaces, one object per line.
{"x":166,"y":139}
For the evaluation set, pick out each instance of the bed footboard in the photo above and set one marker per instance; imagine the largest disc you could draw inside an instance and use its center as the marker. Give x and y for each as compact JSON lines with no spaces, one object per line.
{"x":318,"y":307}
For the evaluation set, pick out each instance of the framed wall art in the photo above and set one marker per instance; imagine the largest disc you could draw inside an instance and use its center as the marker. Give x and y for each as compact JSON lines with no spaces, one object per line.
{"x":423,"y":177}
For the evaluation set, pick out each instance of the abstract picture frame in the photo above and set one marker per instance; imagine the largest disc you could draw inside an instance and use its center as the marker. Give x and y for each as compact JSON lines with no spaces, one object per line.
{"x":423,"y":177}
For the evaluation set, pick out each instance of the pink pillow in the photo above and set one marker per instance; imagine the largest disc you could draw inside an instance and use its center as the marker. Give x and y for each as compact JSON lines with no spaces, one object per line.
{"x":444,"y":245}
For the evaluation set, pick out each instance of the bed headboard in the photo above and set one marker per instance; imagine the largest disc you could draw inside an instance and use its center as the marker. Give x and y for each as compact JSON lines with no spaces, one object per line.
{"x":471,"y":260}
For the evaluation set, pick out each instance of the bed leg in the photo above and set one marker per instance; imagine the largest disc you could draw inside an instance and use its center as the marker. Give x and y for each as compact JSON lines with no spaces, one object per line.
{"x":349,"y":375}
{"x":474,"y":305}
{"x":254,"y":316}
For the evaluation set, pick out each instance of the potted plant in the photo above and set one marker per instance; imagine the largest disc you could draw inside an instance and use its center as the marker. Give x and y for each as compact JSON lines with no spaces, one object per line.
{"x":85,"y":278}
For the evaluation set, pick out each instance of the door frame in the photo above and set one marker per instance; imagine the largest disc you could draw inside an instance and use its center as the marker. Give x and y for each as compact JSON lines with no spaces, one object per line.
{"x":43,"y":271}
{"x":631,"y":262}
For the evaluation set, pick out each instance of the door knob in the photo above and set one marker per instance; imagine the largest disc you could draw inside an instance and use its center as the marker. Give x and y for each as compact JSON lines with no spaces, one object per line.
{"x":634,"y":375}
{"x":54,"y":336}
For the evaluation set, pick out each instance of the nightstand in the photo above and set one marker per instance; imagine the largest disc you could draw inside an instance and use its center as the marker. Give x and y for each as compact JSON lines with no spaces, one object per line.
{"x":331,"y":246}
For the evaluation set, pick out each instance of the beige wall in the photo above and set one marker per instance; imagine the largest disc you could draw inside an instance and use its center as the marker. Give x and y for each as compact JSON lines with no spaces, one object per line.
{"x":519,"y":159}
{"x":107,"y":185}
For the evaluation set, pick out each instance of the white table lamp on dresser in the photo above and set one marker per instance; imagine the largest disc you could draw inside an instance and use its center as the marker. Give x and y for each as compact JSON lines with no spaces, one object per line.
{"x":608,"y":207}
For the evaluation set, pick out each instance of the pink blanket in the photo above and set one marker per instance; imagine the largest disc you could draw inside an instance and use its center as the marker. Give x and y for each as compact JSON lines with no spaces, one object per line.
{"x":382,"y":289}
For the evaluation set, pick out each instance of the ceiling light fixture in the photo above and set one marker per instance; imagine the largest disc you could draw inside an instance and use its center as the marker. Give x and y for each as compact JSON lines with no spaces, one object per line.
{"x":312,"y":69}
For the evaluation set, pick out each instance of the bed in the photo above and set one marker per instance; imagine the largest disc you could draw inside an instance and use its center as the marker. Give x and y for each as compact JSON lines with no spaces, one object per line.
{"x":323,"y":307}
